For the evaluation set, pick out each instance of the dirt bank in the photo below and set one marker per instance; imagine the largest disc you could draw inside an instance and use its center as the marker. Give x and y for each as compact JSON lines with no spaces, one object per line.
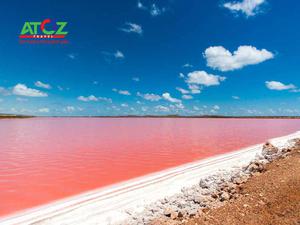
{"x":269,"y":196}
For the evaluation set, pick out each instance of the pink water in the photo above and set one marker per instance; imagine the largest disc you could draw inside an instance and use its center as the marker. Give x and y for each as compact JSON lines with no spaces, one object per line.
{"x":46,"y":159}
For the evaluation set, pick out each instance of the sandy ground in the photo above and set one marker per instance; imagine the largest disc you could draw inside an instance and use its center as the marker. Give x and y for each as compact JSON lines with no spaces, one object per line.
{"x":268,"y":198}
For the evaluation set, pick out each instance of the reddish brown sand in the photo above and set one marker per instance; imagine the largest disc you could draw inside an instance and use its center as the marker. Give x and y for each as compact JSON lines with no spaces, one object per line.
{"x":268,"y":198}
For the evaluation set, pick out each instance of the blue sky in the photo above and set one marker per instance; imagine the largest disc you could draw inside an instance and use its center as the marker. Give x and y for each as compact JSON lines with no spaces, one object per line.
{"x":187,"y":57}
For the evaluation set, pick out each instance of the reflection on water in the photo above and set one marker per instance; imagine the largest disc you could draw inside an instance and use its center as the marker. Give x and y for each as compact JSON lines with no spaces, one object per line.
{"x":45,"y":159}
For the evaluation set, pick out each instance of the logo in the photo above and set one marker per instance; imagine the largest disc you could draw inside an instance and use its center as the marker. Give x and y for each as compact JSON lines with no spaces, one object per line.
{"x":46,"y":31}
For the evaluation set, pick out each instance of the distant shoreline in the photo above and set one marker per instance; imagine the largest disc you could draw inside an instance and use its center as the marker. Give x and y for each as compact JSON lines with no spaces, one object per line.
{"x":10,"y":116}
{"x":15,"y":116}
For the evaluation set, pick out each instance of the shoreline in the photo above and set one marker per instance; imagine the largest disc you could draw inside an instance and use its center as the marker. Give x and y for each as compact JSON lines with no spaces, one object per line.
{"x":270,"y":195}
{"x":117,"y":203}
{"x":10,"y":116}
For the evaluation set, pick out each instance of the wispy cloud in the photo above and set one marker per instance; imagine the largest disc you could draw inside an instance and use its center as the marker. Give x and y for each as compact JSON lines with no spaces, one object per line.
{"x":278,"y":86}
{"x":90,"y":98}
{"x":182,"y":91}
{"x":149,"y":97}
{"x":42,"y":85}
{"x":72,"y":55}
{"x":111,"y":56}
{"x":69,"y":109}
{"x":4,"y":91}
{"x":194,"y":88}
{"x":220,"y":58}
{"x":181,"y":75}
{"x":44,"y":110}
{"x":187,"y":65}
{"x":132,"y":28}
{"x":136,"y":79}
{"x":187,"y":97}
{"x":23,"y":90}
{"x":248,"y":7}
{"x":119,"y":55}
{"x":121,"y":92}
{"x":161,"y":108}
{"x":140,"y":5}
{"x":235,"y":97}
{"x":169,"y":98}
{"x":93,"y":98}
{"x":153,"y":9}
{"x":21,"y":99}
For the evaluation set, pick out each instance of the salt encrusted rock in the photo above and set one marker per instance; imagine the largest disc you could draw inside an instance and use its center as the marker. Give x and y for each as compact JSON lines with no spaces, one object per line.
{"x":256,"y":166}
{"x":269,"y":151}
{"x":211,"y":191}
{"x":203,"y":184}
{"x":240,"y":180}
{"x":225,"y":196}
{"x":171,"y":213}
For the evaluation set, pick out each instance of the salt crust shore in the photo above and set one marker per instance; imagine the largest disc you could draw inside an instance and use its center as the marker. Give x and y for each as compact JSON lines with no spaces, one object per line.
{"x":141,"y":200}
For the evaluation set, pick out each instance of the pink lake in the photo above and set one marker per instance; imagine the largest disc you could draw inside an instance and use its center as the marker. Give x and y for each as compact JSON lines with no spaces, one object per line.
{"x":46,"y":159}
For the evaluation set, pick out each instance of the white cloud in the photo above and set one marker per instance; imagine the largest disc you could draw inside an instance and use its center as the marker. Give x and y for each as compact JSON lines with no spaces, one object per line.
{"x":124,"y":92}
{"x":213,"y":111}
{"x":119,"y":55}
{"x":220,"y":58}
{"x":249,"y":7}
{"x":4,"y":91}
{"x":195,"y":89}
{"x":121,"y":92}
{"x":235,"y":97}
{"x":132,"y":28}
{"x":169,"y":98}
{"x":136,"y":79}
{"x":72,"y":56}
{"x":42,"y":85}
{"x":295,"y":90}
{"x":153,"y":9}
{"x":181,"y":75}
{"x":187,"y":65}
{"x":144,"y":108}
{"x":140,"y":5}
{"x":179,"y":105}
{"x":93,"y":98}
{"x":187,"y":97}
{"x":149,"y":96}
{"x":216,"y":107}
{"x":23,"y":90}
{"x":182,"y":91}
{"x":105,"y":99}
{"x":90,"y":98}
{"x":69,"y":109}
{"x":44,"y":110}
{"x":156,"y":11}
{"x":22,"y":99}
{"x":278,"y":86}
{"x":203,"y":78}
{"x":124,"y":105}
{"x":162,"y":108}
